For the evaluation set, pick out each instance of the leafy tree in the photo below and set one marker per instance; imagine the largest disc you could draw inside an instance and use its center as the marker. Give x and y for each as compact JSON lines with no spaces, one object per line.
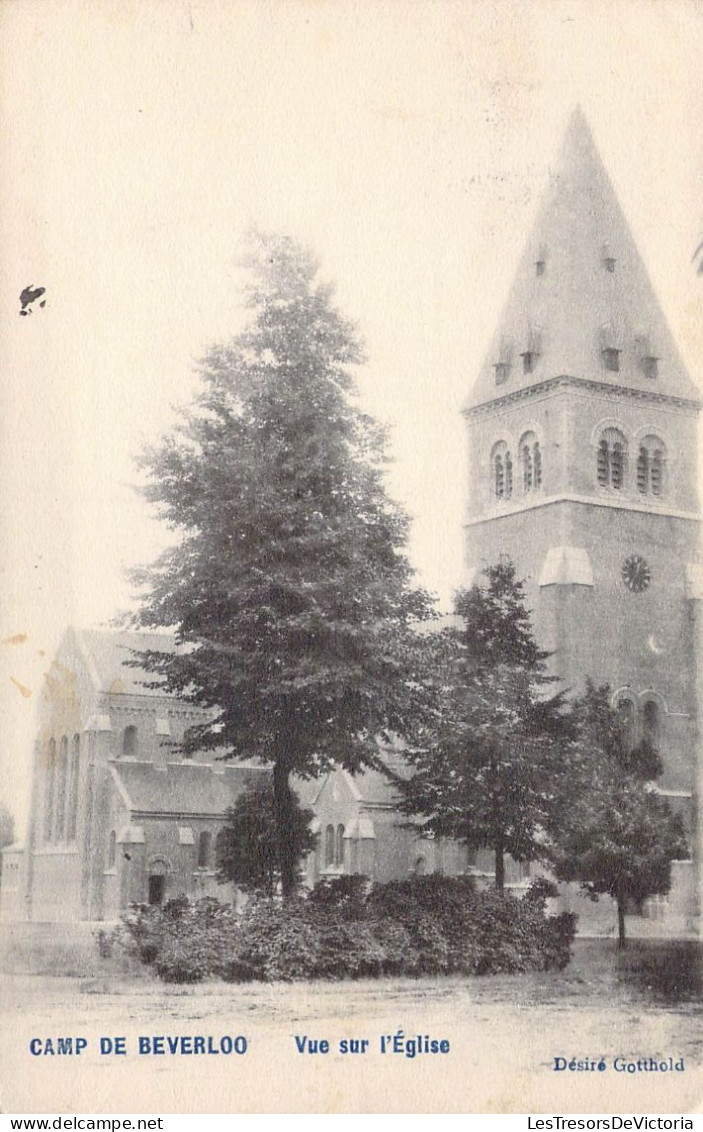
{"x":289,"y":589}
{"x":487,"y":772}
{"x":246,"y":844}
{"x":613,"y":832}
{"x":7,"y":826}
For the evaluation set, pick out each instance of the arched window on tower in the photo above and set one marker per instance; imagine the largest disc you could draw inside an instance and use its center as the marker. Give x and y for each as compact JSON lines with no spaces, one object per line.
{"x":656,"y":472}
{"x":611,"y":459}
{"x":603,"y":463}
{"x":112,"y":850}
{"x":498,"y":475}
{"x":537,"y":460}
{"x":502,"y":471}
{"x":526,"y":457}
{"x":643,"y":471}
{"x":531,"y":461}
{"x":650,"y":466}
{"x":617,"y":465}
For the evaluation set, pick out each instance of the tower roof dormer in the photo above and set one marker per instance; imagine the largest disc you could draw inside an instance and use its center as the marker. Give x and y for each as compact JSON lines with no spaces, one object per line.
{"x":582,"y":304}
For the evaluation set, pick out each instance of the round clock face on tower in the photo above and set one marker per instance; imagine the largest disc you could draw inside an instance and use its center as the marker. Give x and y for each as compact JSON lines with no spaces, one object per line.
{"x":636,"y":574}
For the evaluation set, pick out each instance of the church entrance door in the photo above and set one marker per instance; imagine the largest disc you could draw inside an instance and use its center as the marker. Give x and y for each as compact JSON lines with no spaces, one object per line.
{"x":157,"y":888}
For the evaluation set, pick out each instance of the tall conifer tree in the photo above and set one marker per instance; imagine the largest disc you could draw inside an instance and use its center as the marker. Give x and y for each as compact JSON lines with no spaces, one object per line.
{"x":290,"y":592}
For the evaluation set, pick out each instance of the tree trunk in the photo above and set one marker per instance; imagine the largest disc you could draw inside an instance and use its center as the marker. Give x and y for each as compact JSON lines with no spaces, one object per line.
{"x":622,"y":941}
{"x":283,"y":802}
{"x":500,"y":864}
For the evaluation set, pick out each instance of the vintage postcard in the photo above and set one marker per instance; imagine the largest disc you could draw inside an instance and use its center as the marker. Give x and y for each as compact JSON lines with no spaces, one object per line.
{"x":368,"y":828}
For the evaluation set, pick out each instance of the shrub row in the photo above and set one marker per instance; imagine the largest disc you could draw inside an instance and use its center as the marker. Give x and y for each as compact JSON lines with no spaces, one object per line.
{"x":349,"y":929}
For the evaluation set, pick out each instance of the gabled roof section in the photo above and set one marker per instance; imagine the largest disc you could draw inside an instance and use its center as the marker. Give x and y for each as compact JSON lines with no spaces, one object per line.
{"x":378,"y":786}
{"x":581,"y":288}
{"x":181,"y":788}
{"x":370,"y":787}
{"x":106,"y":651}
{"x":308,"y":789}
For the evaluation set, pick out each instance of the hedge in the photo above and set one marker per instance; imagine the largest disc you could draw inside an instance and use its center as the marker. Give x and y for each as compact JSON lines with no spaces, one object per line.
{"x":350,"y":929}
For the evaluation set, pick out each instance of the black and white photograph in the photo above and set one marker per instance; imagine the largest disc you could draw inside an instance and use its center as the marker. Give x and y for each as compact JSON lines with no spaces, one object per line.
{"x":351,"y":626}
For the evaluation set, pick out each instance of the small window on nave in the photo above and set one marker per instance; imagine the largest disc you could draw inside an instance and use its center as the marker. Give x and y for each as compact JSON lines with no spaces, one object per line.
{"x":334,"y":845}
{"x":61,"y":785}
{"x":50,"y":790}
{"x":130,"y":741}
{"x":502,"y":372}
{"x":205,"y":850}
{"x":611,"y":359}
{"x":329,"y":845}
{"x":189,"y":735}
{"x":74,"y":772}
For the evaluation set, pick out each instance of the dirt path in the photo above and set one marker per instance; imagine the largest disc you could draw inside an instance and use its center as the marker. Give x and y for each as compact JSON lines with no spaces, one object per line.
{"x":504,"y":1034}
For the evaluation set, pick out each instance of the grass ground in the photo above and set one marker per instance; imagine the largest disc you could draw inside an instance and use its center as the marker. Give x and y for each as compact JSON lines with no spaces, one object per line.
{"x":505,"y":1032}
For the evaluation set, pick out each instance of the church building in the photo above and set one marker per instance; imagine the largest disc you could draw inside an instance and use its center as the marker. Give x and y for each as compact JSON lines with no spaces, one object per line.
{"x":120,"y":815}
{"x":583,"y":437}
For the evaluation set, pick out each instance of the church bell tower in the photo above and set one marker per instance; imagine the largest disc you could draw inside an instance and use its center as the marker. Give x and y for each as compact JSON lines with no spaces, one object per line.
{"x":583,"y":437}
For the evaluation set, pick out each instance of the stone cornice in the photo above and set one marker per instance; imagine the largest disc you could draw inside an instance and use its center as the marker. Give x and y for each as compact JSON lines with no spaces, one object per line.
{"x":564,"y":381}
{"x":589,"y":500}
{"x":134,"y":703}
{"x":175,"y":815}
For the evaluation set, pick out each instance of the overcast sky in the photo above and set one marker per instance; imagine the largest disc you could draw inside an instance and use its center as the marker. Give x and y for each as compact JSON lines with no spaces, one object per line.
{"x":407,"y":142}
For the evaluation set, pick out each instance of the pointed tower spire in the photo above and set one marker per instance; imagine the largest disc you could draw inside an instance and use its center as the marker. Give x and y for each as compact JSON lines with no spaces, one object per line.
{"x":582,"y":305}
